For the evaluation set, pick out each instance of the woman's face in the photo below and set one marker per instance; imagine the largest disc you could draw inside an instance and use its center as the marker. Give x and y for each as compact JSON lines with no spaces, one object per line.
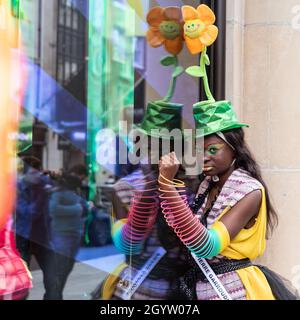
{"x":218,"y":156}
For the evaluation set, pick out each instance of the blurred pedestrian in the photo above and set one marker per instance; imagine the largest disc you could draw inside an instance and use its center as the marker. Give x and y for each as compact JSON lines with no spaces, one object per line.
{"x":67,"y":211}
{"x":32,"y":220}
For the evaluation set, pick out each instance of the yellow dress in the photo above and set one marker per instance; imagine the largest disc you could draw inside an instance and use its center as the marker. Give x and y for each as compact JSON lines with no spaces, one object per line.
{"x":250,"y":243}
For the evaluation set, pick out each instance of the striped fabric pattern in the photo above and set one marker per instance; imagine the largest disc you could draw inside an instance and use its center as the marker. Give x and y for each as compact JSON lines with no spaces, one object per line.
{"x":238,"y":185}
{"x":231,"y":282}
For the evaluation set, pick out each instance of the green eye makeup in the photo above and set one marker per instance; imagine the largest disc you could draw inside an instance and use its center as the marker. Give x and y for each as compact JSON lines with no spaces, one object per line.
{"x":214,"y":148}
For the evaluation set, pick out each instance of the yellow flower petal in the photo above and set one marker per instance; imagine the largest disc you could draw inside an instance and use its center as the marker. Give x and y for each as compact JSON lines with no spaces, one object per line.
{"x":189,"y":13}
{"x":194,"y":45}
{"x":174,"y":46}
{"x":209,"y":36}
{"x":172,"y":13}
{"x":206,"y":14}
{"x":154,"y":38}
{"x":155,"y":16}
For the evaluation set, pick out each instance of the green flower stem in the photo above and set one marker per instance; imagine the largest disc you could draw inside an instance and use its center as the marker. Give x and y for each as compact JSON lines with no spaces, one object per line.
{"x":205,"y":78}
{"x":172,"y":85}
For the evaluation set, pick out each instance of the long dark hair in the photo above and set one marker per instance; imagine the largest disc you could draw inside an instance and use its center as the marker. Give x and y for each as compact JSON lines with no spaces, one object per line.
{"x":246,"y":161}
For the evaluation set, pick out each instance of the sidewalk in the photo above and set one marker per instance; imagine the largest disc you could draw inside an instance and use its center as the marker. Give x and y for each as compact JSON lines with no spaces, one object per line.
{"x":92,"y":266}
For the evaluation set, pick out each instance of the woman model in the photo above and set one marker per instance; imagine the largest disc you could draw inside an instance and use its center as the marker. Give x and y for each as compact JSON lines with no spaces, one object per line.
{"x":228,"y":220}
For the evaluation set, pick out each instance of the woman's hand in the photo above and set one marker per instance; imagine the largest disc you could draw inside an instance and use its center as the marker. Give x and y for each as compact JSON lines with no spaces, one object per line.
{"x":169,"y":165}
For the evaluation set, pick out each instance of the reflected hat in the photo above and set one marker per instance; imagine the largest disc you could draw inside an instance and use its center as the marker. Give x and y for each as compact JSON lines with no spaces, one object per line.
{"x":213,"y":117}
{"x":160,"y":119}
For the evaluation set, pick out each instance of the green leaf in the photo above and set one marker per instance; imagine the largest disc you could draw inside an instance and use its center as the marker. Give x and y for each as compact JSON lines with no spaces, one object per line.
{"x":206,"y":60}
{"x":195,"y":71}
{"x":168,"y":61}
{"x":177,"y":72}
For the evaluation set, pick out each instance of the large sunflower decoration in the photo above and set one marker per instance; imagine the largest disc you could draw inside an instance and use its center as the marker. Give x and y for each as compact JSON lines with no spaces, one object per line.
{"x":199,"y":33}
{"x":171,"y":26}
{"x":166,"y":28}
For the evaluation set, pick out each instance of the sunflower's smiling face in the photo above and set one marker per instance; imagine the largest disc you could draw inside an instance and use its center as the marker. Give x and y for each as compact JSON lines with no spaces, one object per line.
{"x":169,"y":29}
{"x":194,"y":28}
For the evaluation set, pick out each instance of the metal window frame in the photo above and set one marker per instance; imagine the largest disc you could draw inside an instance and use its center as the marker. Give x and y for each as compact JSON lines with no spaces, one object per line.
{"x":78,"y":35}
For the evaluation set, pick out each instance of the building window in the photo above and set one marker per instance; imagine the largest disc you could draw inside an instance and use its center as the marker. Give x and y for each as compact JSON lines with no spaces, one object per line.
{"x":71,"y":33}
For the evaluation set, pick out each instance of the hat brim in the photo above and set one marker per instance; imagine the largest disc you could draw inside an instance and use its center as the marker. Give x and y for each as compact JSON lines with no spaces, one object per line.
{"x":232,"y":127}
{"x":153,"y":133}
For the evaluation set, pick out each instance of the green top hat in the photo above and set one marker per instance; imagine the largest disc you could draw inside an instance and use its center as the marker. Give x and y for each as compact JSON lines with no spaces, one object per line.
{"x":212,"y":117}
{"x":159,"y":117}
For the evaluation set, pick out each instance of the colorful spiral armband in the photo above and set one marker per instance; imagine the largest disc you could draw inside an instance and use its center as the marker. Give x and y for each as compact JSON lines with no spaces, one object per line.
{"x":197,"y":238}
{"x":129,"y":234}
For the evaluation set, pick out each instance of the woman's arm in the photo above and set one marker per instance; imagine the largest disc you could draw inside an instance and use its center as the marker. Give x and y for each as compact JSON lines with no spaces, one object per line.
{"x":201,"y":241}
{"x":129,"y":234}
{"x":244,"y":211}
